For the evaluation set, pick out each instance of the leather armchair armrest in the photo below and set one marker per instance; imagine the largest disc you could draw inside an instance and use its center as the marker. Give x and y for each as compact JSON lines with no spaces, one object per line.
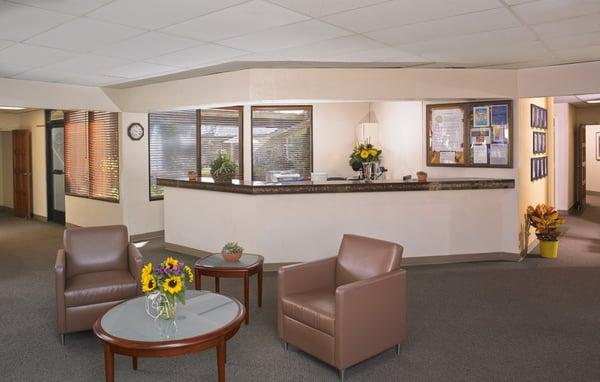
{"x":60,"y":277}
{"x":134,"y":258}
{"x":370,"y":317}
{"x":298,"y":278}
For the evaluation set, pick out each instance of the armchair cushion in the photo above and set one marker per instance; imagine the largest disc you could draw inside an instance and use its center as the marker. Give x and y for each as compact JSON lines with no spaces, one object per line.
{"x":314,"y":308}
{"x":98,"y":287}
{"x":96,"y":249}
{"x":362,"y":257}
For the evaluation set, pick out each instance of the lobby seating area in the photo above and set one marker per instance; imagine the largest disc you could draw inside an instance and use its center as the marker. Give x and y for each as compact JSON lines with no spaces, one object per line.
{"x":535,"y":320}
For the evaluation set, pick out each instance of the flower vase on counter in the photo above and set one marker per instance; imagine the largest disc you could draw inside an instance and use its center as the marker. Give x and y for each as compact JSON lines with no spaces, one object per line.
{"x":369,"y":170}
{"x":365,"y":158}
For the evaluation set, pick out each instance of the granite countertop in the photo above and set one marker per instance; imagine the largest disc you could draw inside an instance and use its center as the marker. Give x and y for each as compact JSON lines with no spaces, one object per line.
{"x":338,"y":186}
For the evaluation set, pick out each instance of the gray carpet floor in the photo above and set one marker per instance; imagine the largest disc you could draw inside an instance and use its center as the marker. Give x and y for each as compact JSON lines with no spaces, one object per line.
{"x":538,"y":320}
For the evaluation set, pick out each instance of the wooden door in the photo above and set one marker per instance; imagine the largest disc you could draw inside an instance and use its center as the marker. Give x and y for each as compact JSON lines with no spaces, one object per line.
{"x":21,"y":140}
{"x":580,"y":167}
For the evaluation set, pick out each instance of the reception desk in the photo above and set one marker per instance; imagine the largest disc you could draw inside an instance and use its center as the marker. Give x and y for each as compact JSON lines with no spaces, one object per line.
{"x":302,"y":221}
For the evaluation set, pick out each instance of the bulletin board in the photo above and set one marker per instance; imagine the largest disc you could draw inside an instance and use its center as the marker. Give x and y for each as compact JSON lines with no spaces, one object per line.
{"x":471,"y":134}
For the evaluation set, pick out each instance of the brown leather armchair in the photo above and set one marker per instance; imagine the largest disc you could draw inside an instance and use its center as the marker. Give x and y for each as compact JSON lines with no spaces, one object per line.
{"x":348,"y":308}
{"x":97,"y":269}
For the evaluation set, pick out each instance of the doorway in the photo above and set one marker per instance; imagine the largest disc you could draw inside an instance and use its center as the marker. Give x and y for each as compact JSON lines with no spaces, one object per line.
{"x":55,"y":165}
{"x":22,"y":182}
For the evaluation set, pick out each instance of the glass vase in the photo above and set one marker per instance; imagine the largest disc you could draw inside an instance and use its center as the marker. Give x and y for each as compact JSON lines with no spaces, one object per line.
{"x":161,"y":305}
{"x":368,"y":170}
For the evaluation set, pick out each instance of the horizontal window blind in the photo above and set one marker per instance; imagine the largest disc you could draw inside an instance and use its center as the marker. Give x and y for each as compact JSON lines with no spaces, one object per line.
{"x":92,"y":155}
{"x":172,"y":146}
{"x":281,"y":140}
{"x":77,"y":181}
{"x":221,"y":132}
{"x":104,"y":155}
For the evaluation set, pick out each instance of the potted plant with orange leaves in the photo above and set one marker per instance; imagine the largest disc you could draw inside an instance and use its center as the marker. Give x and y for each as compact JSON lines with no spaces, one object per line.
{"x":546,"y":220}
{"x":164,"y":285}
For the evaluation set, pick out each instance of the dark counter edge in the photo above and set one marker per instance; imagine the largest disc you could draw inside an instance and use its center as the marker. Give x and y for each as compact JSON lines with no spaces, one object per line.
{"x":324,"y":188}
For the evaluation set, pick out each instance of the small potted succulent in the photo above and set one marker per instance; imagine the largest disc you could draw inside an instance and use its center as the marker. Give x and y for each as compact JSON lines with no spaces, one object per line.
{"x":223,"y":168}
{"x":232,"y":251}
{"x":192,"y":176}
{"x":421,"y":176}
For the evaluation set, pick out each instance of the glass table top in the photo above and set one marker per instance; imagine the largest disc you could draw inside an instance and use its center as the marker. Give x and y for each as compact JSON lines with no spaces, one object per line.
{"x":203,"y":313}
{"x":217,"y":261}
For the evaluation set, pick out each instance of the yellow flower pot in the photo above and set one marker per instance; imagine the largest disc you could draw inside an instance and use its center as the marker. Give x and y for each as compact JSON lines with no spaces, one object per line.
{"x":549,"y":249}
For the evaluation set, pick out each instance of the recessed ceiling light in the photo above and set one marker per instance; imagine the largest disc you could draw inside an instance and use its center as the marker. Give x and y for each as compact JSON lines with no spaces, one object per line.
{"x":11,"y":108}
{"x":593,"y":101}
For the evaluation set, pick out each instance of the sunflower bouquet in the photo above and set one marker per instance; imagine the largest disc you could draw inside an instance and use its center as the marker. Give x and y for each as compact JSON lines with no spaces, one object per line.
{"x":363,"y":153}
{"x":165,"y":283}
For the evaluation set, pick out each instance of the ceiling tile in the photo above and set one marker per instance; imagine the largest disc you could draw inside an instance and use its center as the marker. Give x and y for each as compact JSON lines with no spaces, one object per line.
{"x":150,"y":44}
{"x":92,"y":80}
{"x":41,"y":74}
{"x":577,"y":41}
{"x":380,"y":55}
{"x":569,"y":27}
{"x":403,"y":12}
{"x":69,"y":78}
{"x":286,"y":36}
{"x":319,"y":8}
{"x":550,"y":10}
{"x":139,"y":70}
{"x":484,"y":21}
{"x":19,"y":22}
{"x":86,"y":64}
{"x":515,"y":2}
{"x":464,"y":46}
{"x":241,"y":19}
{"x":196,"y":56}
{"x":84,"y":35}
{"x":328,"y":48}
{"x":29,"y":55}
{"x":8,"y":70}
{"x":5,"y":43}
{"x":73,"y":7}
{"x":155,"y":14}
{"x":588,"y":53}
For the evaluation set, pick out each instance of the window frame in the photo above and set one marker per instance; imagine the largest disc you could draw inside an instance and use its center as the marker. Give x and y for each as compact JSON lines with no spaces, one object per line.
{"x":89,"y":143}
{"x":240,"y":109}
{"x":308,"y":108}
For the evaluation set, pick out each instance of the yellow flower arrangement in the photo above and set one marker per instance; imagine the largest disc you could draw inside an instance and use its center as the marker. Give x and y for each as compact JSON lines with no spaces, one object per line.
{"x":363,"y":152}
{"x":169,"y":279}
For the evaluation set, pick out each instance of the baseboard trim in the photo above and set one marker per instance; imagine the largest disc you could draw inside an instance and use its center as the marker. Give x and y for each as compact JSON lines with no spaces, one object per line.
{"x":40,"y":218}
{"x":8,"y":210}
{"x":186,"y":250}
{"x":406,"y":261}
{"x":595,"y":193}
{"x":71,"y":225}
{"x":147,"y":235}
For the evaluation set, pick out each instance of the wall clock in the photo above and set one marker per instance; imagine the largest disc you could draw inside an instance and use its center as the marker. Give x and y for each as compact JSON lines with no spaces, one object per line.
{"x":135,"y":131}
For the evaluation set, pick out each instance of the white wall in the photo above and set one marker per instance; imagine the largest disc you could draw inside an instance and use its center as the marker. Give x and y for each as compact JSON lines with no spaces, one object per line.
{"x":86,"y":212}
{"x":36,"y":122}
{"x":6,"y":169}
{"x":334,"y":135}
{"x":564,"y":126}
{"x":592,"y":164}
{"x":139,"y":213}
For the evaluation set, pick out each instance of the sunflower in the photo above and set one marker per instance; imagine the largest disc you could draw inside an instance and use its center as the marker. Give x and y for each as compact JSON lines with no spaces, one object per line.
{"x":364,"y":154}
{"x":373,"y":152}
{"x":170,"y":263}
{"x":173,"y":285}
{"x":147,"y":270}
{"x":188,"y":272}
{"x":148,"y":283}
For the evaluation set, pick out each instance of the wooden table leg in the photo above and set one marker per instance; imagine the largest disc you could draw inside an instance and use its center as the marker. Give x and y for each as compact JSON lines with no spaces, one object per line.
{"x":260,"y":286}
{"x":109,"y":364}
{"x":221,"y":359}
{"x":217,"y":288}
{"x":134,"y":362}
{"x":246,"y":296}
{"x":198,"y":280}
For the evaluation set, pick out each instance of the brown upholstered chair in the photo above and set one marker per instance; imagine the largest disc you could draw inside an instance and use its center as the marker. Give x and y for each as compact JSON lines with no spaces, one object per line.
{"x":348,"y":308}
{"x":97,"y":269}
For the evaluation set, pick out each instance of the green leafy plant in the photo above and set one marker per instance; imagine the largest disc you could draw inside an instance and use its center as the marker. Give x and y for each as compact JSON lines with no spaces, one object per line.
{"x":546,"y":220}
{"x":232,"y":247}
{"x":223,"y":169}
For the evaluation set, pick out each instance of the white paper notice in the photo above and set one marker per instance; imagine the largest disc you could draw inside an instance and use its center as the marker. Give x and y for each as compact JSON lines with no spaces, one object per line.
{"x":499,"y":153}
{"x":480,"y":154}
{"x":448,"y":157}
{"x":447,"y":130}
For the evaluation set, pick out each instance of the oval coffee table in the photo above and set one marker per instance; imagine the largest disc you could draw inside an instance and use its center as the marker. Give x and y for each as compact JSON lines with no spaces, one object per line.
{"x":216,"y":266}
{"x":206,"y":320}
